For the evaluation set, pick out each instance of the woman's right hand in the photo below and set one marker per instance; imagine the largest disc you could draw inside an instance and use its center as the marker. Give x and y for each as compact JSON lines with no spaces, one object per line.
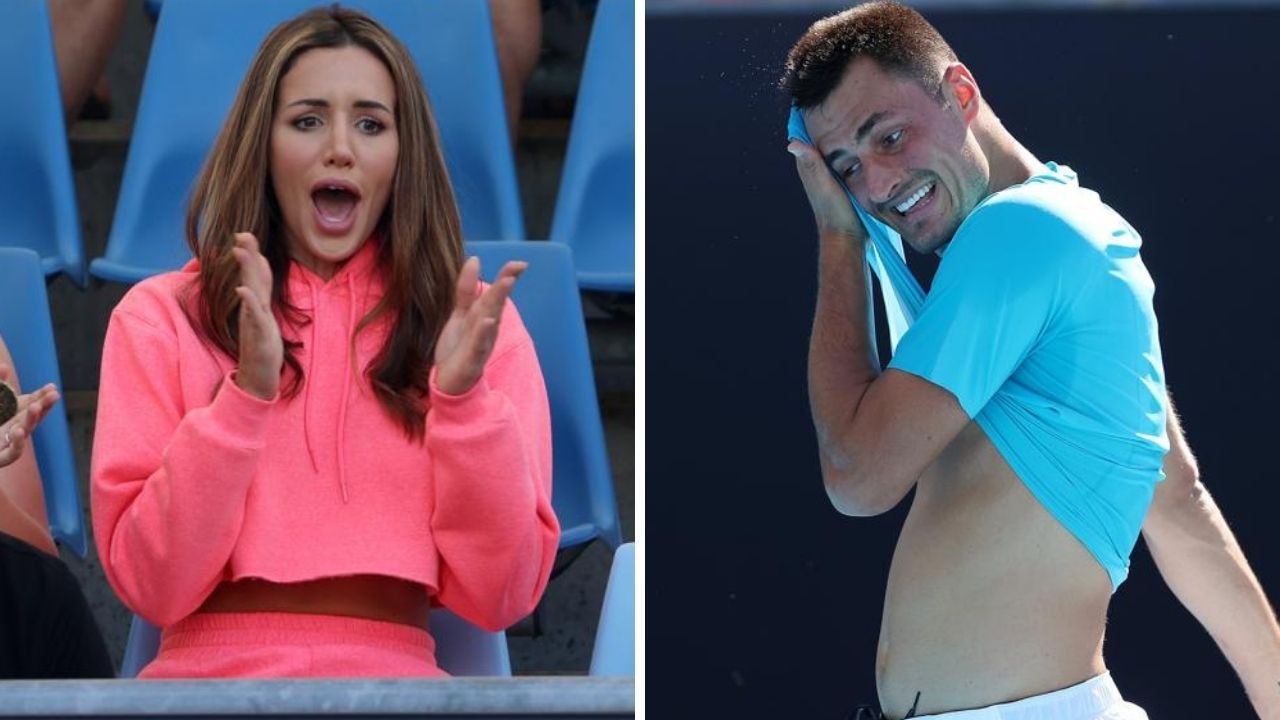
{"x":261,"y":348}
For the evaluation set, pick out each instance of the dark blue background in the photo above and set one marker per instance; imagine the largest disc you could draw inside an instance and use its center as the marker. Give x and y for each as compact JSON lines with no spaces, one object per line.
{"x":763,"y":601}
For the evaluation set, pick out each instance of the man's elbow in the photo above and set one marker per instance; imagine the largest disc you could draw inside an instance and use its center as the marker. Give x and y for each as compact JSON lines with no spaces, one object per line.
{"x":1181,"y":479}
{"x":1179,"y":495}
{"x":857,"y":496}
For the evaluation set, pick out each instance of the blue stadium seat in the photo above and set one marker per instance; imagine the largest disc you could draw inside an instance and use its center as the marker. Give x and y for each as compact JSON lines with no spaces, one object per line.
{"x":464,"y":649}
{"x":461,"y":648}
{"x":37,"y":190}
{"x":615,"y":648}
{"x":199,"y":55}
{"x":595,"y":210}
{"x":548,"y":300}
{"x":27,"y":330}
{"x":141,"y":647}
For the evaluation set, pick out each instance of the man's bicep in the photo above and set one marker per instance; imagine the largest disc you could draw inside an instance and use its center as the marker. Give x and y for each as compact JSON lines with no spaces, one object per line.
{"x":903,"y":424}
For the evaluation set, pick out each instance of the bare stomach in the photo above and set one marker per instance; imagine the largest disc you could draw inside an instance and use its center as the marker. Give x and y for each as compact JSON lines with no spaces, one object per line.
{"x":374,"y":597}
{"x":990,"y":599}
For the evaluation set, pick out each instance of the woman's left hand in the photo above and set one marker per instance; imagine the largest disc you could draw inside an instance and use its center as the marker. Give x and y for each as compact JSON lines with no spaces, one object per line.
{"x":468,"y":337}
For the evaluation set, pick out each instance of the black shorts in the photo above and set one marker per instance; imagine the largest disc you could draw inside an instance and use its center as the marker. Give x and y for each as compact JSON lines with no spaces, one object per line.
{"x":871,"y":711}
{"x":46,"y":627}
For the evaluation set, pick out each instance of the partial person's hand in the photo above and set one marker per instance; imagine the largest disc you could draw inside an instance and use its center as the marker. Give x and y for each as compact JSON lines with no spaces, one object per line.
{"x":32,"y":407}
{"x":468,"y":337}
{"x":831,"y":209}
{"x":261,"y":348}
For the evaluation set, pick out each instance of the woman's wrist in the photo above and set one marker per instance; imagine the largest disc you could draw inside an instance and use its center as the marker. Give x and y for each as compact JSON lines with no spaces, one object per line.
{"x":255,"y":386}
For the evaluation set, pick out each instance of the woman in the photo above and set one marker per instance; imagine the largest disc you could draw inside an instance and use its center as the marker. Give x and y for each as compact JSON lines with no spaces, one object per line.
{"x":46,"y":627}
{"x":324,"y":423}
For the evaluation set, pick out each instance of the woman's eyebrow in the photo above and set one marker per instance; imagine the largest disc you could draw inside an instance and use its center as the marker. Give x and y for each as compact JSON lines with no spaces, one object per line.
{"x":319,"y":102}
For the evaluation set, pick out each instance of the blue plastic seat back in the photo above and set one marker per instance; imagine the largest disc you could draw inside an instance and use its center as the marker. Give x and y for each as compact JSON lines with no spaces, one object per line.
{"x":595,"y":210}
{"x":201,"y":51}
{"x":461,"y":648}
{"x":614,"y":652}
{"x":37,"y":189}
{"x":27,"y":330}
{"x":547,"y":298}
{"x":465,"y":649}
{"x":141,"y":647}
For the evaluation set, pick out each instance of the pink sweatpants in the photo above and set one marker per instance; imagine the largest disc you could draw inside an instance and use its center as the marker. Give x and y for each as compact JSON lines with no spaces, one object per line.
{"x":278,"y":645}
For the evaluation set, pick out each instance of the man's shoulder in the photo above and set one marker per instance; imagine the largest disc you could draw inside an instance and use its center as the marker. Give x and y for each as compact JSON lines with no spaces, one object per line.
{"x":1040,"y":221}
{"x":1014,"y":229}
{"x":1037,"y":204}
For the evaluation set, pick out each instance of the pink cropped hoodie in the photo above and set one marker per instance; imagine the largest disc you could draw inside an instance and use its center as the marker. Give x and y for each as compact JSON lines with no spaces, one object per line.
{"x":195,"y":481}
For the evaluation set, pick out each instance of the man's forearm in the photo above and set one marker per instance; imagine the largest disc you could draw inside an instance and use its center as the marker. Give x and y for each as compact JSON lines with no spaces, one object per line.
{"x":1202,"y":563}
{"x":842,"y":350}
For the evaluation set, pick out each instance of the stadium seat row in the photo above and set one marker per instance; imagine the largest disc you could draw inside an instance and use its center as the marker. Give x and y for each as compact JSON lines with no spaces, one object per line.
{"x":198,"y":57}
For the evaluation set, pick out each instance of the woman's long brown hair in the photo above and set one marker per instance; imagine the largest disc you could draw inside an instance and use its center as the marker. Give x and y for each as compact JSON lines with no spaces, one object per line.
{"x":421,"y":251}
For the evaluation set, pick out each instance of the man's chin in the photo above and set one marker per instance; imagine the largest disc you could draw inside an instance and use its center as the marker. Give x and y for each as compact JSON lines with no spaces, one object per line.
{"x":921,"y":243}
{"x":924,"y":246}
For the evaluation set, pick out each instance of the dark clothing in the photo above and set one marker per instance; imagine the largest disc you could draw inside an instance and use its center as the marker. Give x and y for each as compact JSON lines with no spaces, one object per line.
{"x":871,"y":711}
{"x":46,"y":627}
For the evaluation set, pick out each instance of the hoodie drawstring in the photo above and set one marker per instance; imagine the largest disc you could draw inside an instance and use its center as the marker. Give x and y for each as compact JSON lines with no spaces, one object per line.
{"x":346,"y":385}
{"x":347,"y":370}
{"x":307,"y":379}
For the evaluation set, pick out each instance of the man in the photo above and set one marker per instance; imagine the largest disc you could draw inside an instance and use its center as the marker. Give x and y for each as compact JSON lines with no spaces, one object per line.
{"x":1025,"y":405}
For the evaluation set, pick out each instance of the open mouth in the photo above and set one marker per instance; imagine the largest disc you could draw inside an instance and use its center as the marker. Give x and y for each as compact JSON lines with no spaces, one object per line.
{"x":914,"y":199}
{"x":335,"y":205}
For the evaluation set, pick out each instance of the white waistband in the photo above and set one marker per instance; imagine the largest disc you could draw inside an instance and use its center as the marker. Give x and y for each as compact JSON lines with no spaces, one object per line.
{"x":1089,"y":699}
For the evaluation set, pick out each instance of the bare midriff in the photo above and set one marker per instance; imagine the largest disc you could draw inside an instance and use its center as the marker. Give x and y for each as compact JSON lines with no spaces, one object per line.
{"x":374,"y":597}
{"x":990,"y":599}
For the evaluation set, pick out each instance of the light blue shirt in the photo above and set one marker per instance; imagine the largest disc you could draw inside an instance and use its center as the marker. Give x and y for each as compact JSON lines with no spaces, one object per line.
{"x":1040,"y":322}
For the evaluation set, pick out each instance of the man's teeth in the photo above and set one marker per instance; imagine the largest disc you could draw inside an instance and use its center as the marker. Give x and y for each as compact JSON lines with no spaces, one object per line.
{"x":910,"y":202}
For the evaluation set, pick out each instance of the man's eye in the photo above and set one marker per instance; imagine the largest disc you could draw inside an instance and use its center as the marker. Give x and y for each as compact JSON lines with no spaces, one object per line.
{"x":893,"y":138}
{"x":851,"y":170}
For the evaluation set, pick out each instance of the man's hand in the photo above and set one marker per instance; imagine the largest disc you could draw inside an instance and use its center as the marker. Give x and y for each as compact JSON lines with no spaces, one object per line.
{"x":32,"y":407}
{"x":261,"y":348}
{"x":831,"y":209}
{"x":468,"y":337}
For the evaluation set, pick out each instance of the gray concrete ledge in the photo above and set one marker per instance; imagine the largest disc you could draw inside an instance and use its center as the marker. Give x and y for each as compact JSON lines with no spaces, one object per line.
{"x":546,"y":697}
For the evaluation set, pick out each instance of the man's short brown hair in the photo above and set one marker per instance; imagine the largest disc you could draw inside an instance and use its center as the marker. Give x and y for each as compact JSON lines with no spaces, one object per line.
{"x":898,"y":38}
